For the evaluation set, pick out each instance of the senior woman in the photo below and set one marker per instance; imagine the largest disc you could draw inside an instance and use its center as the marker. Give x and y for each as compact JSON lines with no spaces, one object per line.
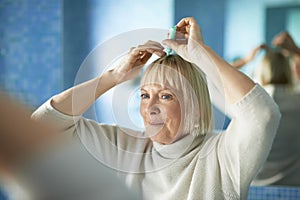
{"x":178,"y":156}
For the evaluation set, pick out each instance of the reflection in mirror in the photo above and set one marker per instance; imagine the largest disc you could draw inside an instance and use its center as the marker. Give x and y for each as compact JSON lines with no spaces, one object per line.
{"x":270,"y":18}
{"x":283,"y":163}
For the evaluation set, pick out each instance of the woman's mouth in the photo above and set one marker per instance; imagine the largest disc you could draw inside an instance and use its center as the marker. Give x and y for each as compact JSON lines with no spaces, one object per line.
{"x":154,"y":128}
{"x":156,"y":123}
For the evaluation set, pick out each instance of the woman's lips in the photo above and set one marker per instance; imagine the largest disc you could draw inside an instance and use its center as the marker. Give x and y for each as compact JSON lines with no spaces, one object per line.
{"x":154,"y":128}
{"x":156,"y":124}
{"x":155,"y":121}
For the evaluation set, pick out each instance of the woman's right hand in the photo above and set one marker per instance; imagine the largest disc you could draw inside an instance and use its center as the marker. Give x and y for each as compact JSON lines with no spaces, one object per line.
{"x":130,"y":66}
{"x":285,"y":41}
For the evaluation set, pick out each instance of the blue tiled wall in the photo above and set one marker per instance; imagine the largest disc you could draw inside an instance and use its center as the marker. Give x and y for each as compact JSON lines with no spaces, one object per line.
{"x":274,"y":193}
{"x":77,"y":33}
{"x":30,"y":50}
{"x":210,"y":16}
{"x":3,"y":196}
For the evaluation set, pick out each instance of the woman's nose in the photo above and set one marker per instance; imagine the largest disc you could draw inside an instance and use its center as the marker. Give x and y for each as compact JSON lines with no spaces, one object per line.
{"x":153,"y":110}
{"x":153,"y":107}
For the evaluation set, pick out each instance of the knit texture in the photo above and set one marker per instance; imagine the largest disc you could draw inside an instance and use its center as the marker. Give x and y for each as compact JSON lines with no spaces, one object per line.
{"x":214,"y":166}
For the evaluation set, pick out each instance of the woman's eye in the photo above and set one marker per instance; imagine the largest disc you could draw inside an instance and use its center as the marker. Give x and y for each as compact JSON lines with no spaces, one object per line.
{"x":166,"y":96}
{"x":144,"y":96}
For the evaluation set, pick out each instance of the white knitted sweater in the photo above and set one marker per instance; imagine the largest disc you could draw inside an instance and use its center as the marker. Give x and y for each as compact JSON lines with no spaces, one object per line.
{"x":215,"y":166}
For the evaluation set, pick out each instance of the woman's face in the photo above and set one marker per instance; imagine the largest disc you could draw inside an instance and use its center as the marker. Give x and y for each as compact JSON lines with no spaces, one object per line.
{"x":161,"y":113}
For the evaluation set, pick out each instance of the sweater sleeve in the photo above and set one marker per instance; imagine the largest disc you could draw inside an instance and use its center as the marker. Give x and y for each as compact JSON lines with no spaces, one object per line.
{"x":46,"y":112}
{"x":249,"y":137}
{"x":114,"y":146}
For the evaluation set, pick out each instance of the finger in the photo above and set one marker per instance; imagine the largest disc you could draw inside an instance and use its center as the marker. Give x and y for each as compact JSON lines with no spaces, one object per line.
{"x":159,"y":52}
{"x":142,"y":53}
{"x":142,"y":50}
{"x":151,"y":43}
{"x":190,"y":28}
{"x":133,"y":55}
{"x":185,"y":22}
{"x":145,"y":58}
{"x":141,"y":56}
{"x":171,"y":44}
{"x":180,"y":36}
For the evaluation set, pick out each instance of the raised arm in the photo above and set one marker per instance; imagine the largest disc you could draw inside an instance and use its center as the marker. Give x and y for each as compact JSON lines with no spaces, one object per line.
{"x":243,"y":61}
{"x":226,"y":78}
{"x":76,"y":100}
{"x":247,"y":141}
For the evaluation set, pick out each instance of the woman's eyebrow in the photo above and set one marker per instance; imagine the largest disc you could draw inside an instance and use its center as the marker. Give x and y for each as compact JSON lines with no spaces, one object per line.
{"x":166,"y":90}
{"x":143,"y":89}
{"x":160,"y":90}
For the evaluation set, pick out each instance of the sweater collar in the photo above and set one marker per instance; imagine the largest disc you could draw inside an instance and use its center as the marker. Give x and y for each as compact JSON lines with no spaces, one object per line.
{"x":178,"y":148}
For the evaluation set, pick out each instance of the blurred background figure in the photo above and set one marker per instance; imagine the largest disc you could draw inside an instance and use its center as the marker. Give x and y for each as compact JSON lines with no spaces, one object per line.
{"x":276,"y":74}
{"x":285,"y":42}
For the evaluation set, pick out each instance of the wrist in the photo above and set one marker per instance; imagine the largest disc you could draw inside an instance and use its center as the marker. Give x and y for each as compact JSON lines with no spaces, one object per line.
{"x":114,"y":75}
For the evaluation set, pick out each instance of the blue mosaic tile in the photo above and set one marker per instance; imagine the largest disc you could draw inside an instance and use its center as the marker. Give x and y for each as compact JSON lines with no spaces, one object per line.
{"x":30,"y":52}
{"x":274,"y":193}
{"x":3,"y":196}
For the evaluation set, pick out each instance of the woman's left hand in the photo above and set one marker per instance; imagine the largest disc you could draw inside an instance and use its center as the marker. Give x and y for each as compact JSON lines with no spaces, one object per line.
{"x":188,"y":39}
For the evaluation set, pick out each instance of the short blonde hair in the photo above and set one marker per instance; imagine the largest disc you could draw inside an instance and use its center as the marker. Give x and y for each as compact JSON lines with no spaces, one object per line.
{"x":275,"y":69}
{"x":191,"y":84}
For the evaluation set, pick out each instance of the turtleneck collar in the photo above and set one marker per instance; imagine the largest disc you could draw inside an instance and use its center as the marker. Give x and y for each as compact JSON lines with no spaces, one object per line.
{"x":179,"y":148}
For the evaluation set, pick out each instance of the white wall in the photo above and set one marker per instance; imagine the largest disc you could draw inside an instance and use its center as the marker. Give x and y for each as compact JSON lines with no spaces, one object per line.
{"x":244,"y":27}
{"x":294,"y":25}
{"x":116,"y":16}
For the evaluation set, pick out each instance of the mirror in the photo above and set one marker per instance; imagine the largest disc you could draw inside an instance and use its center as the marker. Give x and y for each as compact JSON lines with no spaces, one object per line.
{"x":71,"y":30}
{"x":227,"y":28}
{"x":285,"y":18}
{"x":268,"y":18}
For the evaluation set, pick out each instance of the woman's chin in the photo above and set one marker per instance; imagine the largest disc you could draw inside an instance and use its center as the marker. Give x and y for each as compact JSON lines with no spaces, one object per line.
{"x":154,"y":130}
{"x":160,"y":140}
